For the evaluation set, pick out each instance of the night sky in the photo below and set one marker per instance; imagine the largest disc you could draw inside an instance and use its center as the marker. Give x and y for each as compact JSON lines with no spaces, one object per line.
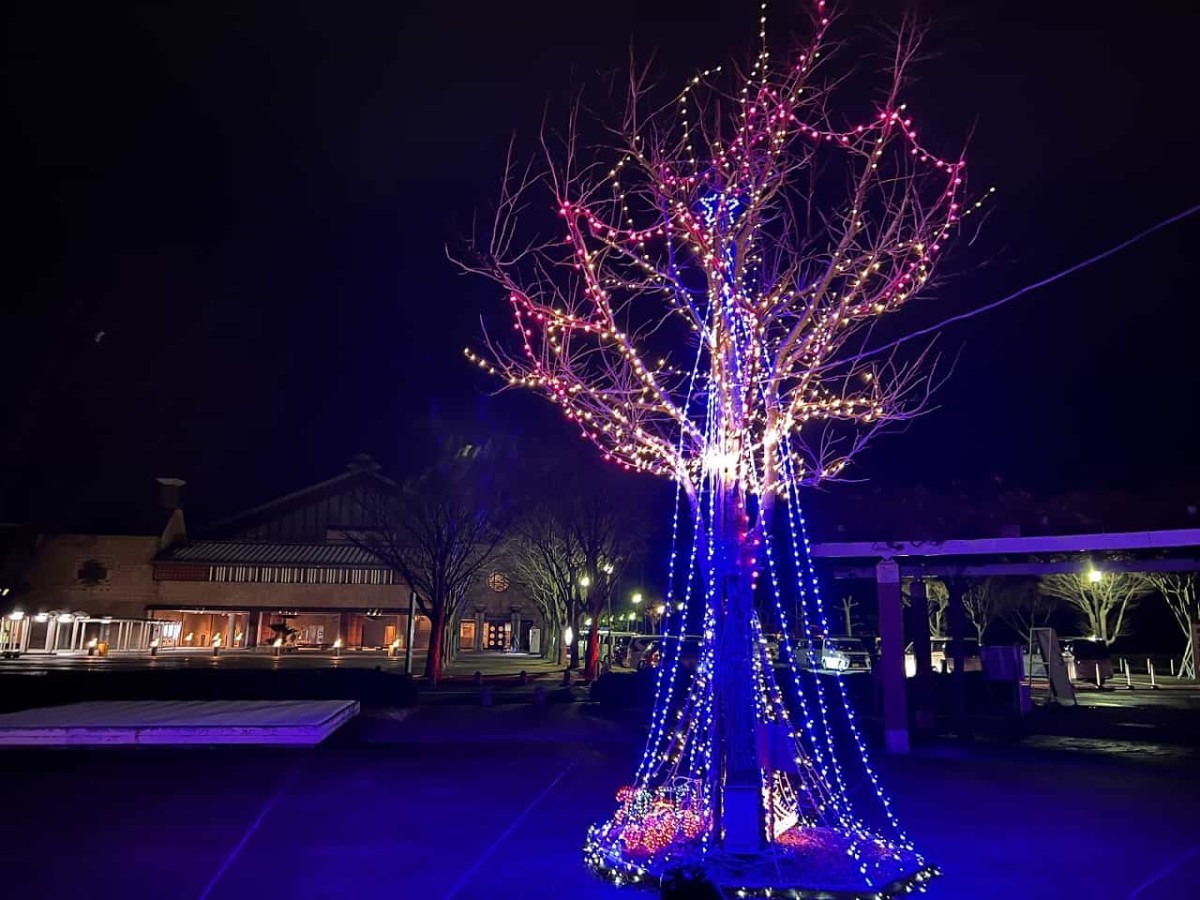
{"x":227,"y":224}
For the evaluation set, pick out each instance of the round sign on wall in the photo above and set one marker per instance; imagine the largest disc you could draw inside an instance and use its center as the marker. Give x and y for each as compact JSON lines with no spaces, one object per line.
{"x":498,"y":582}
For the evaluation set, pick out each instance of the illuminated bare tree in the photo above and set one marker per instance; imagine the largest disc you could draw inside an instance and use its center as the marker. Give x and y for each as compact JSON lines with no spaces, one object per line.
{"x":1102,"y":600}
{"x":1178,"y":590}
{"x":702,"y":293}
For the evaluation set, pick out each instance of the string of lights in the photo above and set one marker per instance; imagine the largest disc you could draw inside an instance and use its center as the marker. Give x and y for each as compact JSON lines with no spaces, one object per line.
{"x":695,"y":316}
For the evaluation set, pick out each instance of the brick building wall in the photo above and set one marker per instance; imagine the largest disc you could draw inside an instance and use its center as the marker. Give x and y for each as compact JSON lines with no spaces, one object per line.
{"x":126,"y":562}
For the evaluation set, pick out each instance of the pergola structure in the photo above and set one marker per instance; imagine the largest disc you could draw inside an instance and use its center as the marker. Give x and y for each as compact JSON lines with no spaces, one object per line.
{"x":887,"y":562}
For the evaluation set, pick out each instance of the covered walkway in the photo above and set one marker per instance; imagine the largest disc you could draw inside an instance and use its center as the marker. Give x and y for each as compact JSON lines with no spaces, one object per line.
{"x":888,"y":562}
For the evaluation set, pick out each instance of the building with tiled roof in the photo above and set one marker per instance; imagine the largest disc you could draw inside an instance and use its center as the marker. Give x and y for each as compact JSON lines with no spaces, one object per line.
{"x":290,"y":562}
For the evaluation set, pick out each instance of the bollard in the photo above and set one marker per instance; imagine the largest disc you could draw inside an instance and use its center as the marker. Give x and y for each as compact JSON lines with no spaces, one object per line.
{"x":566,"y":682}
{"x":485,"y":697}
{"x":1153,"y":684}
{"x":522,"y":677}
{"x":1128,"y":676}
{"x":539,"y":696}
{"x":1098,"y":676}
{"x":1172,"y":661}
{"x":478,"y":676}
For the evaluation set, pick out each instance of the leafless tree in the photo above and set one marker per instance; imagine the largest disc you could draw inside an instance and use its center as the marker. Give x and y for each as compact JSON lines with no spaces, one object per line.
{"x":437,"y":532}
{"x":1178,"y":590}
{"x":1026,"y":609}
{"x":547,"y":561}
{"x":848,"y":605}
{"x":1102,"y":600}
{"x":699,"y":286}
{"x":937,"y":598}
{"x":983,"y":603}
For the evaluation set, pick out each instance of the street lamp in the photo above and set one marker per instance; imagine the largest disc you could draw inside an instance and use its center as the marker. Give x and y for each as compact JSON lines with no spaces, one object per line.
{"x":637,"y":598}
{"x":1095,"y":575}
{"x":585,"y":581}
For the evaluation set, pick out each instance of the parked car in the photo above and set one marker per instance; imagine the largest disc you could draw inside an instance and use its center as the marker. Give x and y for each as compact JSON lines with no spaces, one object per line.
{"x":843,"y":654}
{"x":941,"y":656}
{"x":807,"y":653}
{"x":652,"y":656}
{"x":1086,"y":659}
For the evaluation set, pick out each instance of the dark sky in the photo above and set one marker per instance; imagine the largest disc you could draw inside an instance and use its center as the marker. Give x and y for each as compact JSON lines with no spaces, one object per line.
{"x":250,"y":201}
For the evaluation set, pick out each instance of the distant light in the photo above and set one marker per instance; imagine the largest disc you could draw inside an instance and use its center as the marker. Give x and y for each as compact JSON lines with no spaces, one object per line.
{"x":660,"y":609}
{"x":65,"y":617}
{"x":16,"y":615}
{"x":337,"y":645}
{"x":1095,"y":575}
{"x":40,"y":617}
{"x":637,"y":597}
{"x":585,"y":581}
{"x":278,"y":641}
{"x":568,"y":635}
{"x":92,"y":643}
{"x":588,"y":621}
{"x":154,"y":643}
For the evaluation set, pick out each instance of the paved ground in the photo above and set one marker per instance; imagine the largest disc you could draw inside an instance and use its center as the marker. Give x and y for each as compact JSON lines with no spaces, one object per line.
{"x":497,"y":664}
{"x":468,"y":803}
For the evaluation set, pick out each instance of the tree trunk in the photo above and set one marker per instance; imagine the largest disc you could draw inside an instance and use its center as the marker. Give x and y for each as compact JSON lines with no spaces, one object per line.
{"x":739,"y":809}
{"x":433,"y":656}
{"x":573,"y":650}
{"x":592,"y":668}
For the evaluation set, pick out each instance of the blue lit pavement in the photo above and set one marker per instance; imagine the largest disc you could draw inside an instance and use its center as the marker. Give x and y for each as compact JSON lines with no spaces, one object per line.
{"x":493,"y":803}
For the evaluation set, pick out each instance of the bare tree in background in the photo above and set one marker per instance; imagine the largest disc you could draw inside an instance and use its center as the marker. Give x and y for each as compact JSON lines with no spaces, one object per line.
{"x":937,"y":599}
{"x":1026,"y":609}
{"x":848,"y":606}
{"x":437,"y":532}
{"x":1178,"y":590}
{"x":983,"y":603}
{"x":1102,"y":600}
{"x":547,"y":560}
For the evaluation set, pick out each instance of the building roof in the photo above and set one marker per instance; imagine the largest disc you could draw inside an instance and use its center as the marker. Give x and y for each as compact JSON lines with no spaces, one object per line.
{"x":261,"y":553}
{"x":362,"y":470}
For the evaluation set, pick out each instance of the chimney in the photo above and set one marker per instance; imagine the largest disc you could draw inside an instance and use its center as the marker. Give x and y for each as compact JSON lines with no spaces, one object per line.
{"x":168,"y":492}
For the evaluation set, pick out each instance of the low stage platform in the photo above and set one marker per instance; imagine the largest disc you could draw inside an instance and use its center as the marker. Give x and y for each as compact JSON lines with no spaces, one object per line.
{"x":177,"y":722}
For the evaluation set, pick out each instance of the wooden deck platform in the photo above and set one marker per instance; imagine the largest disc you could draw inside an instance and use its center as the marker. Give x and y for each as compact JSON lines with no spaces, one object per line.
{"x":177,"y":722}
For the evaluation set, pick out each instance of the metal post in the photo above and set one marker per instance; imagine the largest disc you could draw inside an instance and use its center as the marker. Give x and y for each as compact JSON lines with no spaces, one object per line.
{"x":891,"y":656}
{"x":957,"y":616}
{"x":412,"y":630}
{"x":1128,"y":675}
{"x":1153,"y":684}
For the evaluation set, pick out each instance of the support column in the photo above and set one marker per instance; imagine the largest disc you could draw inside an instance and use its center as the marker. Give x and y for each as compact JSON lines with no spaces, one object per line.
{"x":891,"y":656}
{"x":480,"y":625}
{"x":516,"y":630}
{"x":410,"y":632}
{"x":918,"y":632}
{"x":957,"y":621}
